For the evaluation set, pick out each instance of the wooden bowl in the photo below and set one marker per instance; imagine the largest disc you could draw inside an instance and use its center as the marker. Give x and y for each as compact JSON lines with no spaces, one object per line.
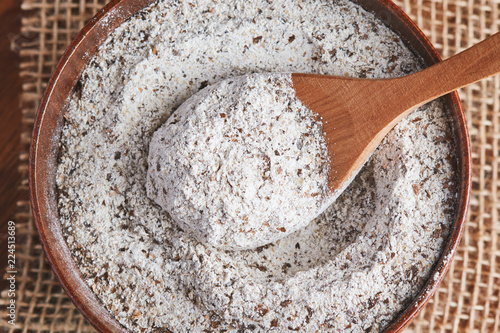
{"x":47,"y":130}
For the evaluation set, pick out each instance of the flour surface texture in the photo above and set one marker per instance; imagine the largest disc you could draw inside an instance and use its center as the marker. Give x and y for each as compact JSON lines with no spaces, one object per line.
{"x":352,"y":269}
{"x":241,"y":164}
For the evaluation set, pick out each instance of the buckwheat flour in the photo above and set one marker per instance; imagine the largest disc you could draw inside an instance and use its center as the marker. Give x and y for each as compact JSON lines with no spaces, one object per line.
{"x":352,"y":269}
{"x":241,"y":164}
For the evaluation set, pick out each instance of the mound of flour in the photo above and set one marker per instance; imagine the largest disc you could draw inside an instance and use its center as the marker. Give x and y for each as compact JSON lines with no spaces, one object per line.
{"x":240,"y":164}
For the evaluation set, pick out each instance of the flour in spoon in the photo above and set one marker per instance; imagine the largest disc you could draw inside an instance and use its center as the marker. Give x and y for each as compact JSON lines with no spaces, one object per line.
{"x":241,"y":164}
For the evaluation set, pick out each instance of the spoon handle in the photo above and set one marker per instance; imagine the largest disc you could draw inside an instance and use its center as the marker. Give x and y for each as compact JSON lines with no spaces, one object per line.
{"x":475,"y":63}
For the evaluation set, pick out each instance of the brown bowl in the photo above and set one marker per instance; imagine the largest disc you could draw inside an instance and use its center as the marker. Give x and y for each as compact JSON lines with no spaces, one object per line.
{"x":47,"y":130}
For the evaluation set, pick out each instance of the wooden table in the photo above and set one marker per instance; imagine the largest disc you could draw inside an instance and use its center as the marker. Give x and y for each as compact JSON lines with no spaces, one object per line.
{"x":10,"y":124}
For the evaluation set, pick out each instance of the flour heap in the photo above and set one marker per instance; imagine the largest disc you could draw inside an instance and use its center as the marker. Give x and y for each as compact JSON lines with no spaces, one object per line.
{"x":241,"y":164}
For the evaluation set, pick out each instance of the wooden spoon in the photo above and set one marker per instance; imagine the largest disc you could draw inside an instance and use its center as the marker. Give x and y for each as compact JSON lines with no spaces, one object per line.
{"x":358,"y":113}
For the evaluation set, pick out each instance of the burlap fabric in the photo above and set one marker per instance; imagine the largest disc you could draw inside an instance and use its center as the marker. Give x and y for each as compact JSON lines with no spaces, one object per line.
{"x":468,"y":300}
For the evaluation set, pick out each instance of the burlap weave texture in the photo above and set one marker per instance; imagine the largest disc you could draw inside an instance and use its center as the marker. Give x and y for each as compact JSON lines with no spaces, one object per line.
{"x":468,"y":300}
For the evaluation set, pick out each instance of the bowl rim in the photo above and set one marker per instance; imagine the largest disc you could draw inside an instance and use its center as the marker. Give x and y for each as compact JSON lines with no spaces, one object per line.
{"x":65,"y":76}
